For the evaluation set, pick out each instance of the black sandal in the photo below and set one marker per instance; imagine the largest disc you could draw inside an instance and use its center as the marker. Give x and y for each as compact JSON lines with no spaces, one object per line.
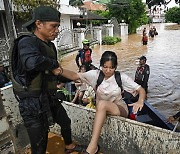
{"x":77,"y":148}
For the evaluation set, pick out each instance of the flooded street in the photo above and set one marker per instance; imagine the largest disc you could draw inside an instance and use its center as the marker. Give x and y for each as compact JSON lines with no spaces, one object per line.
{"x":163,"y":57}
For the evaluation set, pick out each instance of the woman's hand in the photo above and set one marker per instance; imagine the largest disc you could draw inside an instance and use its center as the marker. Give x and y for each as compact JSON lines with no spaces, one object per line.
{"x":140,"y":103}
{"x":137,"y":106}
{"x":171,"y":119}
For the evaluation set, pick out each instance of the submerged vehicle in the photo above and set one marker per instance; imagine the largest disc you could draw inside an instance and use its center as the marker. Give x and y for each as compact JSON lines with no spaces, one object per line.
{"x":150,"y":133}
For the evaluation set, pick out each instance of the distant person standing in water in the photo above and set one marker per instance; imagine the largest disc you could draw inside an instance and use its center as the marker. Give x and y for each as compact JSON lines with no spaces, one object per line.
{"x":144,"y":30}
{"x":142,"y":73}
{"x":155,"y":31}
{"x":151,"y":33}
{"x":144,"y":39}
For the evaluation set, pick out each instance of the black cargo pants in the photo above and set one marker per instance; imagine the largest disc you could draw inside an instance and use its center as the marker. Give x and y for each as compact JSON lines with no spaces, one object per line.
{"x":37,"y":124}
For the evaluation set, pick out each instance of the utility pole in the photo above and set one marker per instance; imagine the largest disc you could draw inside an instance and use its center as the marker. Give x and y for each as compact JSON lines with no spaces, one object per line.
{"x":10,"y":21}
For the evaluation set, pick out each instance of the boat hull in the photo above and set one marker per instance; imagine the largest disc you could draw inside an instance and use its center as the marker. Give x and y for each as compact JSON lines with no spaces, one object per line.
{"x":119,"y":135}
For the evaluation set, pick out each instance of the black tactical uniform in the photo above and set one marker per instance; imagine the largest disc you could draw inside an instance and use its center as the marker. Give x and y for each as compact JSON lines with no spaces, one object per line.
{"x":37,"y":102}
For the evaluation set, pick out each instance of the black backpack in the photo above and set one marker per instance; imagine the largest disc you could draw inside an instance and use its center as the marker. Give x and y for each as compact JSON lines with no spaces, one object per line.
{"x":14,"y":61}
{"x":117,"y":77}
{"x":20,"y":85}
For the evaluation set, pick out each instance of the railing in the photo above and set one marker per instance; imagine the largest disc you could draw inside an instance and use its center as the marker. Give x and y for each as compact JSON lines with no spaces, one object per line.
{"x":4,"y":54}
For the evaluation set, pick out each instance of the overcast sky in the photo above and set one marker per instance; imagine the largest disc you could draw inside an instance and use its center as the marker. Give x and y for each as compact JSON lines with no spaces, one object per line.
{"x":172,"y":4}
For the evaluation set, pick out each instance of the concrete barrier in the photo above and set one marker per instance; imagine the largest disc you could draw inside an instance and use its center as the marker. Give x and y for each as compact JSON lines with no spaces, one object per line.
{"x":6,"y":138}
{"x":17,"y":134}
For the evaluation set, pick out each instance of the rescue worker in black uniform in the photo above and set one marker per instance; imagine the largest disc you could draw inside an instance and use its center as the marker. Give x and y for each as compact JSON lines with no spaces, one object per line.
{"x":142,"y":73}
{"x":84,"y":56}
{"x":37,"y":77}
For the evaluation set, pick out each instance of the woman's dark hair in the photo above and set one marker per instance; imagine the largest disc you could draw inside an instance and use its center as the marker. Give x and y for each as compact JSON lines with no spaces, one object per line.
{"x":109,"y":56}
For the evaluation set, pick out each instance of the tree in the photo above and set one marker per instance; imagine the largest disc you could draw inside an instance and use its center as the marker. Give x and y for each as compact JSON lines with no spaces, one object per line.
{"x":25,"y":8}
{"x":173,"y":15}
{"x":131,"y":11}
{"x":76,"y":2}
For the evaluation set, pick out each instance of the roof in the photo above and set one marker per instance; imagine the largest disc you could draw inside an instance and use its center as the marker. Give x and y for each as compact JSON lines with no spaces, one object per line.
{"x":89,"y":5}
{"x":89,"y":16}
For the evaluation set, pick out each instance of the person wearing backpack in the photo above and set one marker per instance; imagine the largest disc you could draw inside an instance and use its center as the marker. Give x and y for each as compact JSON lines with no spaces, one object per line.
{"x":84,"y":55}
{"x":142,"y":73}
{"x":109,"y":98}
{"x":35,"y":74}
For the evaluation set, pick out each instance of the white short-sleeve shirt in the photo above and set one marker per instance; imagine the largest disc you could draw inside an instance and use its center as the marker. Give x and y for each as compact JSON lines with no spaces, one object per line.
{"x":109,"y":90}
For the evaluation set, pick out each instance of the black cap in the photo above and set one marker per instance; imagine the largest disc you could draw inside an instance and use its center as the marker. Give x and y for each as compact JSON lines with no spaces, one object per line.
{"x":142,"y":58}
{"x":44,"y":13}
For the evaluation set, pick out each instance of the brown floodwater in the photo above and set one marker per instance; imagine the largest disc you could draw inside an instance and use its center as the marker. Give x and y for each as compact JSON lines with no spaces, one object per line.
{"x":163,"y":57}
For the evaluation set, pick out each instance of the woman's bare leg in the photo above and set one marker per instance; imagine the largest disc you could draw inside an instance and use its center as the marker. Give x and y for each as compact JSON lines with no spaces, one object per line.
{"x":101,"y":110}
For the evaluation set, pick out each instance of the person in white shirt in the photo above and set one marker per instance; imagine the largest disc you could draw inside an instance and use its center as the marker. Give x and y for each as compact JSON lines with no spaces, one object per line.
{"x":89,"y":93}
{"x":108,"y":94}
{"x":81,"y":87}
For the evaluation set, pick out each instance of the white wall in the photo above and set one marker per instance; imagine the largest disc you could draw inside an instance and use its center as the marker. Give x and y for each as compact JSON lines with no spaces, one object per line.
{"x":65,"y":2}
{"x":67,"y":9}
{"x":1,"y":5}
{"x":65,"y":21}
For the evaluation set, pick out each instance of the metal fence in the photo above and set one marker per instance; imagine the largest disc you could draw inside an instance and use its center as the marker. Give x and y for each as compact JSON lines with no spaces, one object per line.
{"x":90,"y":35}
{"x":67,"y":40}
{"x":116,"y":28}
{"x":4,"y":51}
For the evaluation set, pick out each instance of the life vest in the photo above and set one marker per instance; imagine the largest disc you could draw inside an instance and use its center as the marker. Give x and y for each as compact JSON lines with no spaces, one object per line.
{"x":145,"y":38}
{"x":87,"y":56}
{"x":140,"y":73}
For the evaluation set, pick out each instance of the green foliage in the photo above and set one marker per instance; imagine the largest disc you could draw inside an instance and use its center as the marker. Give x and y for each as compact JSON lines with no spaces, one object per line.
{"x":109,"y":40}
{"x":173,"y":15}
{"x":75,"y":2}
{"x":131,"y":11}
{"x":25,"y":7}
{"x":105,"y":14}
{"x":104,"y":1}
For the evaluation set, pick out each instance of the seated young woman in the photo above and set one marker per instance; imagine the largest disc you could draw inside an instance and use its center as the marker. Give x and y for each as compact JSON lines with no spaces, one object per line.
{"x":108,"y":94}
